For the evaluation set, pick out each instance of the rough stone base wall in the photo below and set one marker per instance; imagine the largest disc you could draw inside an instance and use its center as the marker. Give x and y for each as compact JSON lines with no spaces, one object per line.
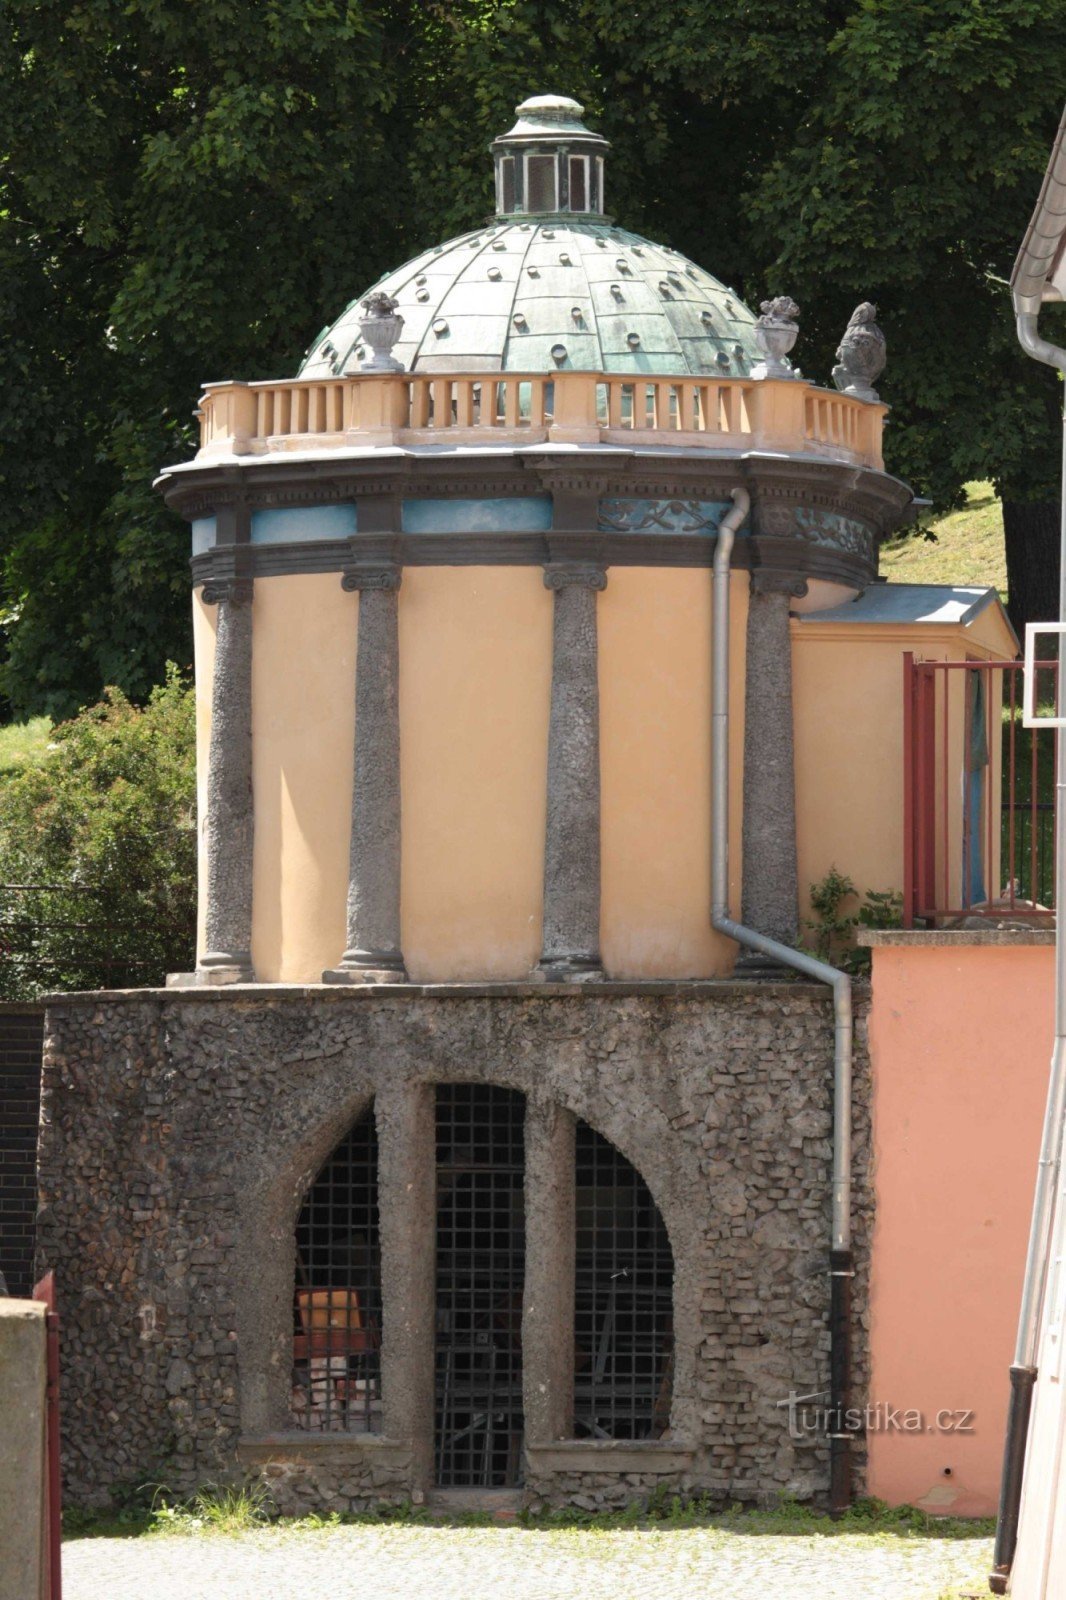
{"x":599,"y":1491}
{"x":181,"y":1129}
{"x":300,"y":1481}
{"x":21,"y":1029}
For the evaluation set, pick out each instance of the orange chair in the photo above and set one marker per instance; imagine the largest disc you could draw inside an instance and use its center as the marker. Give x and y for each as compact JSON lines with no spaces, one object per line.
{"x":332,"y":1324}
{"x":332,"y":1331}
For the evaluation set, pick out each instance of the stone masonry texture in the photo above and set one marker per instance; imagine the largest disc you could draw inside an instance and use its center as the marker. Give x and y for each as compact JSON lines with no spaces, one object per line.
{"x":21,"y":1028}
{"x":181,"y":1129}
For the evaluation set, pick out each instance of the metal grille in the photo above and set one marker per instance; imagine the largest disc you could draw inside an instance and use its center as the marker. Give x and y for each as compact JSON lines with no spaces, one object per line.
{"x":480,"y":1269}
{"x":337,"y":1309}
{"x":978,"y":795}
{"x":623,"y":1331}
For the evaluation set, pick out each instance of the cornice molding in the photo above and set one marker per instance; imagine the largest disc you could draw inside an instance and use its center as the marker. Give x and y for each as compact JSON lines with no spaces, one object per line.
{"x":814,"y":517}
{"x":529,"y":550}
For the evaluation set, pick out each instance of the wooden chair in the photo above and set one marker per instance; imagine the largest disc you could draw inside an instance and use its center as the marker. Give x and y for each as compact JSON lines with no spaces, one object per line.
{"x":332,"y":1333}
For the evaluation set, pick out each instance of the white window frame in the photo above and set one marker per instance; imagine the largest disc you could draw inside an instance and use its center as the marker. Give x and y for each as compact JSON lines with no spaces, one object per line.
{"x":588,"y":206}
{"x":501,"y":195}
{"x":1030,"y":717}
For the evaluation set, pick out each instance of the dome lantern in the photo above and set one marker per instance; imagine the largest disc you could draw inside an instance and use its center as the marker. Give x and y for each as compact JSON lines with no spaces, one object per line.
{"x":549,"y":164}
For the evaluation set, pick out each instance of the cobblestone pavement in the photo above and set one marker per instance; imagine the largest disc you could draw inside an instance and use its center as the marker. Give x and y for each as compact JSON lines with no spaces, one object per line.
{"x":426,"y":1563}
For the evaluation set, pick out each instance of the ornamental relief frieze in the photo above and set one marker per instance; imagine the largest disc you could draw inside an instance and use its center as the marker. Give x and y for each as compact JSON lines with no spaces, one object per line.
{"x":828,"y":530}
{"x":668,"y":516}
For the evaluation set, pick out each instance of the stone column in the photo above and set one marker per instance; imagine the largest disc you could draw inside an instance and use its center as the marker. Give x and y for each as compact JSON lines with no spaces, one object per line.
{"x":571,"y":937}
{"x":229,"y":823}
{"x":769,"y":901}
{"x":548,"y":1301}
{"x":407,"y":1207}
{"x":373,"y":954}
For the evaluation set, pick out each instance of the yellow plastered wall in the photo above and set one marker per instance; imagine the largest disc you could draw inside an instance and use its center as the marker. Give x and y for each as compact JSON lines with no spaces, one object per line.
{"x":303,"y":694}
{"x":475,"y":695}
{"x":848,"y":707}
{"x":475,"y":691}
{"x":204,"y":629}
{"x":655,"y":731}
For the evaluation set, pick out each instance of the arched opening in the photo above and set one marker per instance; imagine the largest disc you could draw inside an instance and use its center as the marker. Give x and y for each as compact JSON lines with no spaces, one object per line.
{"x":480,"y":1271}
{"x":623,"y":1301}
{"x":337,"y":1303}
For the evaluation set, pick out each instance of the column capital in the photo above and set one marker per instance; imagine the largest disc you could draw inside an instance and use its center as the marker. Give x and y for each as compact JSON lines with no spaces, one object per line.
{"x":565,"y":574}
{"x":227,"y":591}
{"x":768,"y":581}
{"x":379,"y":576}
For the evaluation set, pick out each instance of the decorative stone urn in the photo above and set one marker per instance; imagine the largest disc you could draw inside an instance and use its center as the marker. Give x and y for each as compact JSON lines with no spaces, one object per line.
{"x":862,"y":354}
{"x":380,"y":328}
{"x":776,"y":332}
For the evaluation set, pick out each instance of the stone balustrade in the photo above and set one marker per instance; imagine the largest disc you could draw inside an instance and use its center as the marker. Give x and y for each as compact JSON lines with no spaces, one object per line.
{"x":531,"y":408}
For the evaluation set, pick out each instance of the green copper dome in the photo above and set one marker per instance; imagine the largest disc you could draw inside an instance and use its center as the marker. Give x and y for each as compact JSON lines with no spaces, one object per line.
{"x":551,"y":283}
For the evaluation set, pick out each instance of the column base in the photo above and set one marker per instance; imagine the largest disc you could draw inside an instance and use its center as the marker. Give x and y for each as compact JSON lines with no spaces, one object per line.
{"x":214,"y":970}
{"x":368,"y":966}
{"x":568,"y":969}
{"x":753,"y":964}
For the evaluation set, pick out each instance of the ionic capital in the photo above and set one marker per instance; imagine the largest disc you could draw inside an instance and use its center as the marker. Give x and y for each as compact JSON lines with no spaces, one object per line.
{"x":378,"y":577}
{"x":767,"y":581}
{"x":227,"y":591}
{"x":567,"y":574}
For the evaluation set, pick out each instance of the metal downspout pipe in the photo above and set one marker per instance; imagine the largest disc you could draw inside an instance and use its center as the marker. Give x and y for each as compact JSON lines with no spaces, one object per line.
{"x":840,"y":1257}
{"x":1023,"y":1370}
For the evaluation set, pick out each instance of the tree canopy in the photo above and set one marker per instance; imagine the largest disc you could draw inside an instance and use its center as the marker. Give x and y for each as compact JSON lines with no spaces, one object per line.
{"x":189,"y":193}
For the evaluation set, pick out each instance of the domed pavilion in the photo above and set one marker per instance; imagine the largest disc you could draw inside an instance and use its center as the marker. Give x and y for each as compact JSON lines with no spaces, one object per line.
{"x":541,"y":663}
{"x":545,"y":408}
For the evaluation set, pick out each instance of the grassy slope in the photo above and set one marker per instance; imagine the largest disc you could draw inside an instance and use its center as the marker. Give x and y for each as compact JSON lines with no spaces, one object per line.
{"x":22,"y":743}
{"x":968,"y":548}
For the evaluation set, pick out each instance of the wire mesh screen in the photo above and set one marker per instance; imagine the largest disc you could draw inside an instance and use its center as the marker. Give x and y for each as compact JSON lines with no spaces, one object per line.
{"x":337,"y":1310}
{"x":480,"y":1268}
{"x":623,"y":1332}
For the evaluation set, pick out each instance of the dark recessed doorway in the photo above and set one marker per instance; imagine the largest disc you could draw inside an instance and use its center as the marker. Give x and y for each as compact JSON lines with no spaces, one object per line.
{"x":480,"y":1271}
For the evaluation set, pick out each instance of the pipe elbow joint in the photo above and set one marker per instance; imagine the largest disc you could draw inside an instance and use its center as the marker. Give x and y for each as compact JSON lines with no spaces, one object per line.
{"x":1052,"y":355}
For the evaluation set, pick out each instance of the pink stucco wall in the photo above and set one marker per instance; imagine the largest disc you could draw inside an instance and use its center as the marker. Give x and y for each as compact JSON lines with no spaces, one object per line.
{"x":960,"y":1042}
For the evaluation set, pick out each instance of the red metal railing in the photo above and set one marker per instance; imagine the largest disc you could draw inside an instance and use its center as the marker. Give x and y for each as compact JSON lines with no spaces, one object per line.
{"x":978,"y":795}
{"x":51,"y":1562}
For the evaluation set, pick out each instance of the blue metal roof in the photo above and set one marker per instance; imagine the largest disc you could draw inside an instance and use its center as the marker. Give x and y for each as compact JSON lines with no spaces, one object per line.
{"x":910,"y":603}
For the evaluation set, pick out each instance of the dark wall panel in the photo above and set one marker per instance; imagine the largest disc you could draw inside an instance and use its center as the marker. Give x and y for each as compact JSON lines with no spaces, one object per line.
{"x":21,"y":1030}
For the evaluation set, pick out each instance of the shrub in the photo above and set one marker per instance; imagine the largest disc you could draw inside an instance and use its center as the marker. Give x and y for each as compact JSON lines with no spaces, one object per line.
{"x":98,"y":849}
{"x":833,"y":930}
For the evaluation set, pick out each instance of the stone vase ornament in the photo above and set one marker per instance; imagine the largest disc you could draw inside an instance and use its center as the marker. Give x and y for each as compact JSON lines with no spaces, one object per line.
{"x":380,"y":328}
{"x":776,"y":331}
{"x":862,"y":354}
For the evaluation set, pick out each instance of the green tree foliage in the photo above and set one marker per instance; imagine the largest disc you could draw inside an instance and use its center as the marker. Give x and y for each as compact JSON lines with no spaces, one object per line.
{"x":190,"y":192}
{"x":103,"y":833}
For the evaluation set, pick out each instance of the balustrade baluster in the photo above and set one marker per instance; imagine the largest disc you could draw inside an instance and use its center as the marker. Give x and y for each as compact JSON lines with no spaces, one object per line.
{"x":464,"y":403}
{"x":420,"y":403}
